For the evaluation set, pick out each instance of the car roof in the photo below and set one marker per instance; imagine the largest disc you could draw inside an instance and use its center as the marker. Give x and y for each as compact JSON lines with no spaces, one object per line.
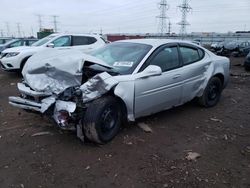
{"x":63,"y":34}
{"x":157,"y":42}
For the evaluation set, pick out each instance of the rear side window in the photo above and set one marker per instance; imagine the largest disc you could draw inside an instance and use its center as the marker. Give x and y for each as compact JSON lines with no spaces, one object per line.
{"x":81,"y":40}
{"x":191,"y":55}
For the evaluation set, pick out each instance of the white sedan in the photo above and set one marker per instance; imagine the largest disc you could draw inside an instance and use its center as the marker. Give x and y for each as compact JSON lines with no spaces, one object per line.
{"x":120,"y":82}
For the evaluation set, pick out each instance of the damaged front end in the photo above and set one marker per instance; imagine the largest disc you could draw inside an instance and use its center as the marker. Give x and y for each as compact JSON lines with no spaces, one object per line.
{"x":59,"y":94}
{"x":67,"y":108}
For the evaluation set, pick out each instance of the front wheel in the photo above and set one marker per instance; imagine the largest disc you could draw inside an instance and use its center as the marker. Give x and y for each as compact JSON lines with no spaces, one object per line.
{"x":102,"y":120}
{"x":212,"y":93}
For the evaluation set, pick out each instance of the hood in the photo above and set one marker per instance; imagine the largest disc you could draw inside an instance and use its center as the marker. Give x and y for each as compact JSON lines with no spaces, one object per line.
{"x":54,"y":70}
{"x":23,"y":48}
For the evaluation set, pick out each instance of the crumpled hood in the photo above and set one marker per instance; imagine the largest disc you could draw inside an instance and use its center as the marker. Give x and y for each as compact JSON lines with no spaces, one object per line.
{"x":54,"y":70}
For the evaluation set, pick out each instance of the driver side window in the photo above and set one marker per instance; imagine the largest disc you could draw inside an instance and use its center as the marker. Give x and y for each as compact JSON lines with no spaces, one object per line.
{"x":167,"y":59}
{"x":62,"y":41}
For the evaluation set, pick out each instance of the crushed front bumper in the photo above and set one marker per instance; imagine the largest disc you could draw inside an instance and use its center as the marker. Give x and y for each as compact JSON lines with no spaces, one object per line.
{"x":32,"y":100}
{"x":31,"y":105}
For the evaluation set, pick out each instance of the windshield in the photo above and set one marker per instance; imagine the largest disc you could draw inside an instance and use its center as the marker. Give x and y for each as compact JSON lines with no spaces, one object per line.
{"x":43,"y":41}
{"x":122,"y":56}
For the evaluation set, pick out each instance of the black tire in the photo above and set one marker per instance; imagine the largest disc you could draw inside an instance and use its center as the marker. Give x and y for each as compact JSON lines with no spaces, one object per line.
{"x":247,"y":67}
{"x":212,"y":93}
{"x":102,"y":120}
{"x":23,"y":63}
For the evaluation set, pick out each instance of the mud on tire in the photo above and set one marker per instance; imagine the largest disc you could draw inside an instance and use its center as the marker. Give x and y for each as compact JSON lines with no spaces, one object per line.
{"x":102,"y":120}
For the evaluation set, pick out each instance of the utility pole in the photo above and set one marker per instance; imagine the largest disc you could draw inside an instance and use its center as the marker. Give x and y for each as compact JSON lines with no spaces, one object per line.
{"x":55,"y":22}
{"x":18,"y":29}
{"x":1,"y":31}
{"x":185,"y":8}
{"x":7,"y":28}
{"x":162,"y":27}
{"x":169,"y":27}
{"x":40,"y":23}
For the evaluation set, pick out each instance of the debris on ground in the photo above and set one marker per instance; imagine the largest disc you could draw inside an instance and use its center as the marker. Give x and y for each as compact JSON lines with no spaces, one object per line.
{"x":192,"y":156}
{"x":22,"y":134}
{"x":216,"y":120}
{"x":145,"y":127}
{"x":42,"y":133}
{"x":87,"y":168}
{"x":12,"y":84}
{"x":4,"y":123}
{"x":240,"y":74}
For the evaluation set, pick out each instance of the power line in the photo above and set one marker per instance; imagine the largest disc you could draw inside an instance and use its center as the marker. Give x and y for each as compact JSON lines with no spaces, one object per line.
{"x":185,"y":8}
{"x":162,"y":27}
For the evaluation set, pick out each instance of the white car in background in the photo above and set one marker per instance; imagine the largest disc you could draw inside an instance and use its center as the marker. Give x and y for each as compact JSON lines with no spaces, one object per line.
{"x":14,"y":59}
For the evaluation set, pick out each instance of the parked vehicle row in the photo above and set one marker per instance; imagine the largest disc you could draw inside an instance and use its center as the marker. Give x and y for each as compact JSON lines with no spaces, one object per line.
{"x":234,"y":48}
{"x":122,"y":81}
{"x":16,"y":43}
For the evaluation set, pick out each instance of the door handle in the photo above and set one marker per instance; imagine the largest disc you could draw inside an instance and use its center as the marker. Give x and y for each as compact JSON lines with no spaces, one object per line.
{"x":176,"y":76}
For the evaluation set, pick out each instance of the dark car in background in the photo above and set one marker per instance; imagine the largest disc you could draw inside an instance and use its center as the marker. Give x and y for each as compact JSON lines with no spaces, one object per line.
{"x":16,"y":43}
{"x":235,"y":48}
{"x":247,"y":62}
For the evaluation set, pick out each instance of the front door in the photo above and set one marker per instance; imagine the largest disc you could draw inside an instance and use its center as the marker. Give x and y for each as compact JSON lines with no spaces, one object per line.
{"x":156,"y":93}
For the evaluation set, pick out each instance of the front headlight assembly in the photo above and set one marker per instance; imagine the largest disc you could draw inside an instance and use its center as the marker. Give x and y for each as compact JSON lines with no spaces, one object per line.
{"x":12,"y":54}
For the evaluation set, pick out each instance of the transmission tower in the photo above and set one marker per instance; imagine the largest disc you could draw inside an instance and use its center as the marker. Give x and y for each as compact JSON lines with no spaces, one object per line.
{"x":162,"y":27}
{"x":7,"y":28}
{"x":40,"y":22}
{"x":19,"y":29}
{"x":55,"y":22}
{"x":185,"y":8}
{"x":169,"y":27}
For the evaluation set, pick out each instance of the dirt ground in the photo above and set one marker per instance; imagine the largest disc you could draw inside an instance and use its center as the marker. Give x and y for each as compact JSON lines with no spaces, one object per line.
{"x":221,"y":135}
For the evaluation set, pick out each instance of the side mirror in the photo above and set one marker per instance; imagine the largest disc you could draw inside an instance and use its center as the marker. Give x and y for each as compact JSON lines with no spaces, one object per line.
{"x":151,"y":70}
{"x":50,"y":45}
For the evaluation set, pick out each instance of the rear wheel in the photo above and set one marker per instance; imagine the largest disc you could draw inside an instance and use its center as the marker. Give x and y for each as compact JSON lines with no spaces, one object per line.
{"x":212,"y":93}
{"x":102,"y":120}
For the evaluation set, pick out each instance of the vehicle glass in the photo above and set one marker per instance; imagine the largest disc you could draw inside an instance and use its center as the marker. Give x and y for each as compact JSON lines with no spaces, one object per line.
{"x":81,"y":40}
{"x":30,"y":42}
{"x":43,"y":41}
{"x":189,"y":55}
{"x":167,"y":59}
{"x":16,"y":44}
{"x":122,"y":56}
{"x":62,"y":41}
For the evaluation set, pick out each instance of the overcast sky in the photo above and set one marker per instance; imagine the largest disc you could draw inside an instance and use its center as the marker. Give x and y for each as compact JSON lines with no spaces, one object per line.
{"x":120,"y":16}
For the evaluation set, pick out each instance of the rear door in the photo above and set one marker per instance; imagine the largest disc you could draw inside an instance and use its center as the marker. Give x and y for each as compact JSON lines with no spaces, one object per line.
{"x":84,"y":43}
{"x":196,"y":63}
{"x":156,"y":93}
